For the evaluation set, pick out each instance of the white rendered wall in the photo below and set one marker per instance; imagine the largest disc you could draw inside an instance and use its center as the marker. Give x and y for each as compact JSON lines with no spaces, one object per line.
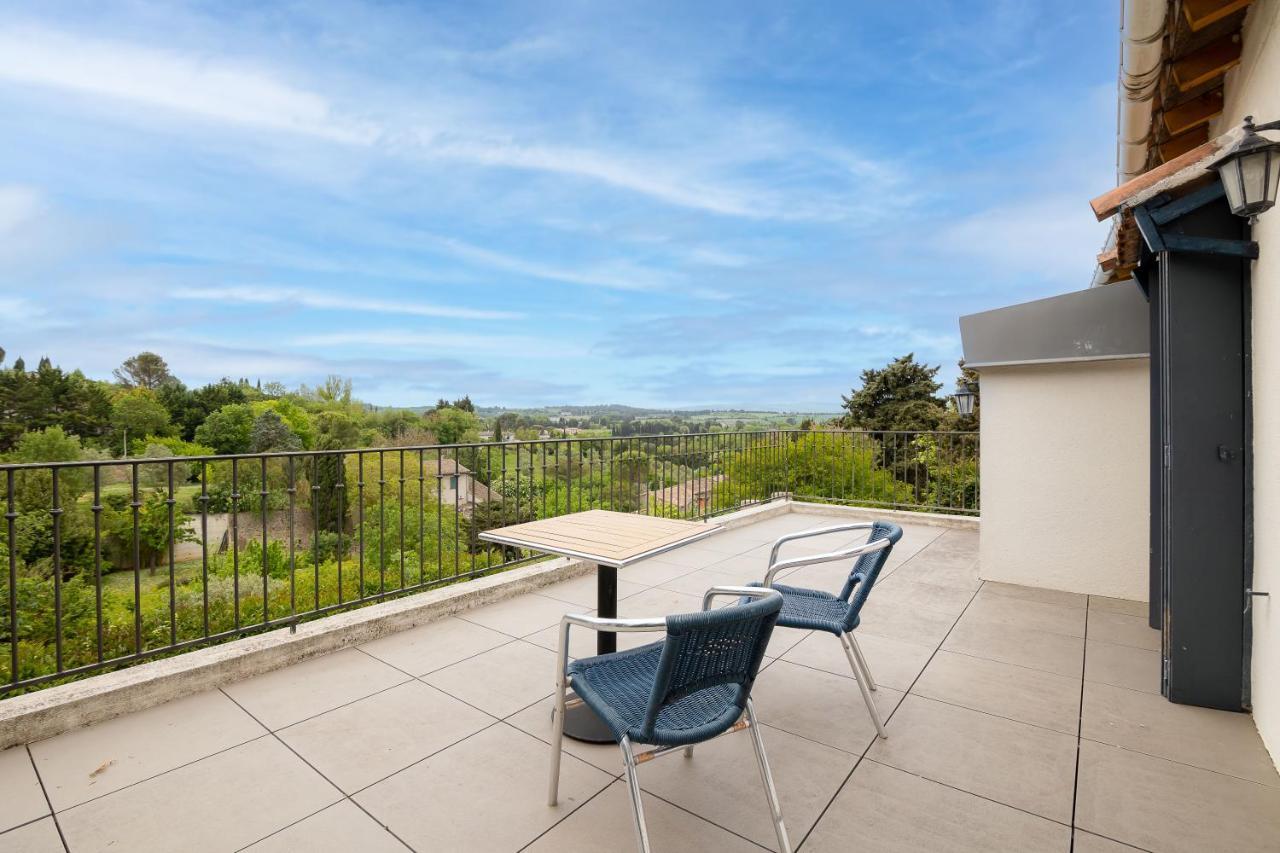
{"x":1066,"y":477}
{"x":1253,"y":88}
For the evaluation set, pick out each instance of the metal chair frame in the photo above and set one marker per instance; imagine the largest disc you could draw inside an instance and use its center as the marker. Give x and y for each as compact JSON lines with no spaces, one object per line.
{"x":631,"y":760}
{"x":857,"y":661}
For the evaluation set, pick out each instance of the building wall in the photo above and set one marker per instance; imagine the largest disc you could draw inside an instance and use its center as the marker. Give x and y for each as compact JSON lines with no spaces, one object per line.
{"x":1253,"y":88}
{"x":1065,"y":476}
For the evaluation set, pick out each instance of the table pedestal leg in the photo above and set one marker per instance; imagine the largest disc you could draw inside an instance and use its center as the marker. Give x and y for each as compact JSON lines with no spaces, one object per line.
{"x":580,"y":722}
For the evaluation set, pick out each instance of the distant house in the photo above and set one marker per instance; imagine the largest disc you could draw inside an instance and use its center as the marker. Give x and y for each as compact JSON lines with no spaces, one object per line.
{"x":696,"y":494}
{"x":458,"y":486}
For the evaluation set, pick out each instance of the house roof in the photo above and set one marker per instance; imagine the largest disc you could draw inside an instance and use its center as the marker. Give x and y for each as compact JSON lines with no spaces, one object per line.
{"x":1201,"y":41}
{"x":1181,"y":174}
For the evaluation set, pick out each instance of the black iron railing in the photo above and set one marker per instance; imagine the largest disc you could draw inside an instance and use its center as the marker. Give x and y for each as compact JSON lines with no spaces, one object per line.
{"x":108,"y":563}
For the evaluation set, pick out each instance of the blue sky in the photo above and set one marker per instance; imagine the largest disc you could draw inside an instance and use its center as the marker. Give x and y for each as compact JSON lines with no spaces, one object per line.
{"x":665,"y":204}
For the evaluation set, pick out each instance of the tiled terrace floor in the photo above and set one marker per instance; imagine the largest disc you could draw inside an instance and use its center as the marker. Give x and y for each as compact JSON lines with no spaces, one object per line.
{"x":1019,"y":719}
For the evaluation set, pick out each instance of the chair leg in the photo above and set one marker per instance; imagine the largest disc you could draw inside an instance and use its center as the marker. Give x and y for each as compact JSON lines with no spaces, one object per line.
{"x":557,"y":744}
{"x":862,"y":660}
{"x":633,"y":784}
{"x":688,"y":752}
{"x":862,"y":686}
{"x":766,"y":776}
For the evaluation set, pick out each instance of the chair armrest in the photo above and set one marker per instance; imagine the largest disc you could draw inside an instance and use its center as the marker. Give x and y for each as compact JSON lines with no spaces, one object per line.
{"x":797,"y":562}
{"x":737,"y":592}
{"x":600,"y":623}
{"x":817,"y":531}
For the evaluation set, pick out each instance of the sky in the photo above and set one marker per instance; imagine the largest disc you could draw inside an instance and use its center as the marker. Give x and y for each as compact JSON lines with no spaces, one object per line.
{"x":658,"y":204}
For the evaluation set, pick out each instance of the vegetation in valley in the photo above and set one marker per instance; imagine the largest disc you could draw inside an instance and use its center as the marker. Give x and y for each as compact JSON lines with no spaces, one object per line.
{"x":159,"y":542}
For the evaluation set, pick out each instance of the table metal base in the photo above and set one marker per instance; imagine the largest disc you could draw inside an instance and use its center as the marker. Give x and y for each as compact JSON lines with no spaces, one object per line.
{"x":582,"y":723}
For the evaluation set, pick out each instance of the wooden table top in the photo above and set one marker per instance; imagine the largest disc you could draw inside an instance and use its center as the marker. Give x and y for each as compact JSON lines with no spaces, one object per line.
{"x":603,"y":537}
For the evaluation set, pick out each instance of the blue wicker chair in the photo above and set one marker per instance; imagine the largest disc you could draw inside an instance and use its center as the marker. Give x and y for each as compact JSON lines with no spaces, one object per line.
{"x":692,"y":686}
{"x":817,"y":610}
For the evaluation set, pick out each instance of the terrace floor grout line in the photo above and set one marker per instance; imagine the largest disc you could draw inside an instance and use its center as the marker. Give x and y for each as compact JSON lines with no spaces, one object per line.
{"x":887,"y":720}
{"x":316,"y":770}
{"x":1075,"y":780}
{"x":48,"y":802}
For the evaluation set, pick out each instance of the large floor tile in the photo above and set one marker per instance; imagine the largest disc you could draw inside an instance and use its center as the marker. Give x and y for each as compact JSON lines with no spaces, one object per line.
{"x":341,"y":828}
{"x":652,"y":572}
{"x":536,"y":720}
{"x":1120,"y":605}
{"x":1111,"y":627}
{"x":886,"y":810}
{"x":697,"y":583}
{"x":924,"y":568}
{"x":89,"y":762}
{"x":292,"y":694}
{"x":819,"y":706}
{"x":1007,"y":612}
{"x":658,"y":602}
{"x":1087,"y":842}
{"x":500,"y":681}
{"x":21,"y":799}
{"x":522,"y":615}
{"x":220,"y":803}
{"x":720,"y":782}
{"x":904,"y":622}
{"x":943,"y":599}
{"x":437,"y":644}
{"x":1056,"y":653}
{"x":605,"y":823}
{"x":894,"y":664}
{"x":1035,"y":593}
{"x":1122,"y":666}
{"x":1023,"y":766}
{"x":40,"y":836}
{"x":361,"y":743}
{"x":1222,"y":741}
{"x":1017,"y":692}
{"x":488,"y":792}
{"x":583,"y":591}
{"x":1156,"y":804}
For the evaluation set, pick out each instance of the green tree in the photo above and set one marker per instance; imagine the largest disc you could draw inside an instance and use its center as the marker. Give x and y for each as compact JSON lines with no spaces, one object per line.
{"x":144,"y":370}
{"x":452,"y":426}
{"x":47,"y":396}
{"x":140,"y":412}
{"x":335,"y":431}
{"x":295,"y":417}
{"x":271,"y":433}
{"x":227,"y":430}
{"x":899,"y":396}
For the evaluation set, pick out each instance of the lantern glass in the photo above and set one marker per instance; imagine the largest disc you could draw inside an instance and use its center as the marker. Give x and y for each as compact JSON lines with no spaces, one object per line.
{"x":1250,"y":180}
{"x":964,"y":401}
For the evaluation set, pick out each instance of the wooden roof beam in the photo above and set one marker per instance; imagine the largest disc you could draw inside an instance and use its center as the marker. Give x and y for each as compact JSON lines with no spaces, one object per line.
{"x":1194,"y":112}
{"x":1178,"y":145}
{"x":1202,"y":13}
{"x":1208,"y":63}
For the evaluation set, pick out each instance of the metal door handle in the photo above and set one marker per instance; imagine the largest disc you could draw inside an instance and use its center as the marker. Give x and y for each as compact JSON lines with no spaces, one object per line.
{"x":1250,"y":594}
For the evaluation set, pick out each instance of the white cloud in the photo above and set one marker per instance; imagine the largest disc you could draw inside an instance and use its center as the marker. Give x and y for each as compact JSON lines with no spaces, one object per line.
{"x":162,"y":79}
{"x":470,"y":125}
{"x":1050,"y":238}
{"x":313,"y":299}
{"x":617,"y":276}
{"x":18,"y":205}
{"x":445,"y":342}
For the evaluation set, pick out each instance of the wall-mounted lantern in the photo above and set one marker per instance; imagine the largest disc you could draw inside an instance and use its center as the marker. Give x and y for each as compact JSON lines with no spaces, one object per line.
{"x":964,"y":398}
{"x":1250,"y":171}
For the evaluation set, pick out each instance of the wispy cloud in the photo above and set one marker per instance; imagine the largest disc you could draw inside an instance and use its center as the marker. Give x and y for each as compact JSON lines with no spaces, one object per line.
{"x":543,"y":202}
{"x":333,"y":302}
{"x":206,"y":87}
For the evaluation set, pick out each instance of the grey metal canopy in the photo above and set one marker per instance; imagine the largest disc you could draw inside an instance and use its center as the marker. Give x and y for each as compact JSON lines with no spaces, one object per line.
{"x":1111,"y":322}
